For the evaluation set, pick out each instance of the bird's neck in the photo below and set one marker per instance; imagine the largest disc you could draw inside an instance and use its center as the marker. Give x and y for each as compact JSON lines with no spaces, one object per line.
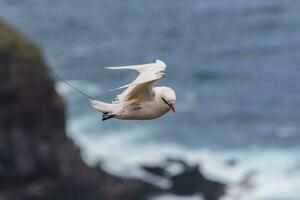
{"x":157,"y":91}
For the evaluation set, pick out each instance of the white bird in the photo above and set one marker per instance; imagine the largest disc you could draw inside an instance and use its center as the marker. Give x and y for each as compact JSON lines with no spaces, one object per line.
{"x":140,"y":100}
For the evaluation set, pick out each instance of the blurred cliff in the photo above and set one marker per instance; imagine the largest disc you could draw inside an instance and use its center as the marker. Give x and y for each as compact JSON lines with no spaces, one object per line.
{"x":37,"y":160}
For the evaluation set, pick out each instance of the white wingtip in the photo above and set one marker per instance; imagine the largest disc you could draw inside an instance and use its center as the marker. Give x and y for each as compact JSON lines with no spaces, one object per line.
{"x":159,"y":66}
{"x":121,"y":67}
{"x":160,"y":62}
{"x":140,"y":68}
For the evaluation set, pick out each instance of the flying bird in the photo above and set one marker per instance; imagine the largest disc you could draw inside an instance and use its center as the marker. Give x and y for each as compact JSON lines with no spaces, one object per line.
{"x":140,"y":100}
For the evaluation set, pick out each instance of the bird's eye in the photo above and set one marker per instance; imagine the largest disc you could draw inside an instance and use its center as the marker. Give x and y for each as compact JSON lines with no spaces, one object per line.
{"x":164,"y":100}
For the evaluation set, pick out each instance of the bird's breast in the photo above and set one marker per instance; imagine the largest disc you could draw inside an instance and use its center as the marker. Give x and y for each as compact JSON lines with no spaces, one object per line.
{"x":143,"y":111}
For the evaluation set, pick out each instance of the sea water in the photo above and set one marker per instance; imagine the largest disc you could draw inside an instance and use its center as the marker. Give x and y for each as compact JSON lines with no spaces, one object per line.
{"x":234,"y":64}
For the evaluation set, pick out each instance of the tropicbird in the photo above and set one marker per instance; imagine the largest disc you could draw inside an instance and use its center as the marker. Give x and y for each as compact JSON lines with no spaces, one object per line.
{"x":140,"y":100}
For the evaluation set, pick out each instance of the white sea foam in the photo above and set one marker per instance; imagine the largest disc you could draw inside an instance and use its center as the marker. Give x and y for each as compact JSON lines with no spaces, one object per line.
{"x":274,"y":172}
{"x":174,"y":197}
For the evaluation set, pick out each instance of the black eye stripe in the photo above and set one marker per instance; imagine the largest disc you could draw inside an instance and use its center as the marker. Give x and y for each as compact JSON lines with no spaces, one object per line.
{"x":164,"y":100}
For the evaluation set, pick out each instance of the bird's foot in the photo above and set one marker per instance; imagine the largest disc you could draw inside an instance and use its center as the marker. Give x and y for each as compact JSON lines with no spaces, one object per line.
{"x":106,"y":116}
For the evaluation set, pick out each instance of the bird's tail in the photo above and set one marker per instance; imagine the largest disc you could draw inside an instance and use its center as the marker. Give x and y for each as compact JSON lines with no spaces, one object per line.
{"x":101,"y":106}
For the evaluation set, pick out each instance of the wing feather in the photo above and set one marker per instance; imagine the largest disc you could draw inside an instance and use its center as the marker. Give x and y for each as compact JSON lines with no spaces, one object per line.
{"x":141,"y":88}
{"x":141,"y":68}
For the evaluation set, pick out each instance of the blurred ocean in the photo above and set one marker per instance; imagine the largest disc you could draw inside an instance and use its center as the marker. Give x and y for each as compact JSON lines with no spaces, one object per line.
{"x":235,"y":66}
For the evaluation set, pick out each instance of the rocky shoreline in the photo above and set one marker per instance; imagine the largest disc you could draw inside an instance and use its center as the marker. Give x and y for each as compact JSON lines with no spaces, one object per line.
{"x":38,"y":160}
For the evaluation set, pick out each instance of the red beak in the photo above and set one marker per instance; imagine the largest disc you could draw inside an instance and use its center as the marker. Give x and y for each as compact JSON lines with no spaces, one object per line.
{"x":172,"y":107}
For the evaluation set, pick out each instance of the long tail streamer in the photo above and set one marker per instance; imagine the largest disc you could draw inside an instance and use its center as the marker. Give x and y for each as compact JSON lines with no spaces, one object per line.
{"x":74,"y":88}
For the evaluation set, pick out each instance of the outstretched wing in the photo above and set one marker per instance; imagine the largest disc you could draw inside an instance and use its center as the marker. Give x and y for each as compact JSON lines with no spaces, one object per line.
{"x":141,"y":88}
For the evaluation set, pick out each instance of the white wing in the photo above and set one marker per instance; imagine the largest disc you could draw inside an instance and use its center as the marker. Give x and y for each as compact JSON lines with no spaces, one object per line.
{"x":141,"y":88}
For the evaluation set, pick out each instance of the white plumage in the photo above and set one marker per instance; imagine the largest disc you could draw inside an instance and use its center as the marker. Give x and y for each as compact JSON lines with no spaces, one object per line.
{"x":140,"y":100}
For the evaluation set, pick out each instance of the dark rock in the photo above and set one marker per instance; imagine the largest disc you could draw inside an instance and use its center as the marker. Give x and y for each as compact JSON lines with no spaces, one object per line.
{"x":32,"y":114}
{"x":156,"y":170}
{"x":192,"y":181}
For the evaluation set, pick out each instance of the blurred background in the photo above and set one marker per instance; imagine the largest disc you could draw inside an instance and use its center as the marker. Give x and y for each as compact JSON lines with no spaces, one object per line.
{"x":234,"y":65}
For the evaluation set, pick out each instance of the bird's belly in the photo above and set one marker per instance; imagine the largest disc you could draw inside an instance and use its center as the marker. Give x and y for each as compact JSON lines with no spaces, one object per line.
{"x":145,"y":112}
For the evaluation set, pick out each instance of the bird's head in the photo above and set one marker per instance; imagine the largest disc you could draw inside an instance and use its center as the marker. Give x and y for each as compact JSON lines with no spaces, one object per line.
{"x":168,"y":96}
